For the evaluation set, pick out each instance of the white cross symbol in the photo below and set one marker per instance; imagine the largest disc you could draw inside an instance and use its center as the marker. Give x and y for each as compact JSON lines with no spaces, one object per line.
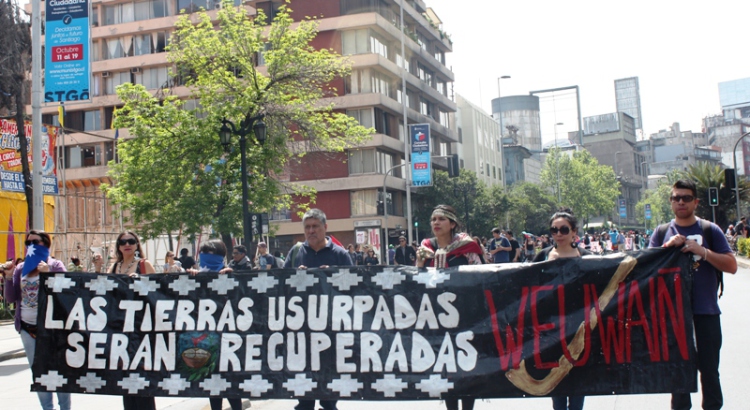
{"x":388,"y":278}
{"x":299,"y":385}
{"x":435,"y":385}
{"x":345,"y":385}
{"x":174,"y":384}
{"x":215,"y":385}
{"x":101,"y":285}
{"x":144,"y":286}
{"x":59,"y":283}
{"x":133,"y":383}
{"x":301,"y":280}
{"x":431,"y":278}
{"x":91,"y":382}
{"x":223,"y":284}
{"x":389,"y":385}
{"x":263,"y":282}
{"x":256,"y":385}
{"x":52,"y":380}
{"x":183,"y":285}
{"x":344,"y":280}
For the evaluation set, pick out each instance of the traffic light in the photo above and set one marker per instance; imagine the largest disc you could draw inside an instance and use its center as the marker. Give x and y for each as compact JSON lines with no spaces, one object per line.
{"x":453,"y":169}
{"x":380,"y":208}
{"x":713,"y":196}
{"x":729,"y":178}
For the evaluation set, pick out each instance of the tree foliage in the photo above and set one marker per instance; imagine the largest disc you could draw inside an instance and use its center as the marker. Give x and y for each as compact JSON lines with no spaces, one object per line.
{"x":579,"y":182}
{"x":174,"y":173}
{"x":15,"y":62}
{"x":531,"y":208}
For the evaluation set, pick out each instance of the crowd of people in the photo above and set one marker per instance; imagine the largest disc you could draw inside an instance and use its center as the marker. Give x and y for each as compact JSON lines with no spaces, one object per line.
{"x":448,"y":247}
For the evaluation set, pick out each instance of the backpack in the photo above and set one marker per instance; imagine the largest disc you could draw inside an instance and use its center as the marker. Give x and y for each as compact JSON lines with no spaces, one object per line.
{"x":708,"y":235}
{"x":586,"y":240}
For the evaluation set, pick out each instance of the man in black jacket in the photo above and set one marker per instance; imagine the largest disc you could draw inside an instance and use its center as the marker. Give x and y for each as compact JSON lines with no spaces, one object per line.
{"x":405,"y":255}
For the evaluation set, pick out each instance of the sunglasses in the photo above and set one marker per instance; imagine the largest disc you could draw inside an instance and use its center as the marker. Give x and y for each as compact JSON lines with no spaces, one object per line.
{"x":564,"y":230}
{"x":34,"y":242}
{"x":684,"y":198}
{"x":123,"y":242}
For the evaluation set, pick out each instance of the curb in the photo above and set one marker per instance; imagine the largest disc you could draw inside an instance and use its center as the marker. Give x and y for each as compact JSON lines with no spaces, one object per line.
{"x":14,"y":354}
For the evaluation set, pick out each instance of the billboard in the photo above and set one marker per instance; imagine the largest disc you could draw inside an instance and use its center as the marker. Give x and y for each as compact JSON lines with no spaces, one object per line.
{"x":421,"y":157}
{"x":11,"y":176}
{"x":67,"y":38}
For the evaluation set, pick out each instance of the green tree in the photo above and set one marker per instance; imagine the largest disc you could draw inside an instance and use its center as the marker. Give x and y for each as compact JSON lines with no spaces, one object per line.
{"x":579,"y":182}
{"x":175,"y":175}
{"x":531,"y":208}
{"x":706,"y":176}
{"x":661,"y":209}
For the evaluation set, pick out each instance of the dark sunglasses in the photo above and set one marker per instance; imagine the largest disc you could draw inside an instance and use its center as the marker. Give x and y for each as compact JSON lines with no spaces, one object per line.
{"x":34,"y":242}
{"x":684,"y":198}
{"x":123,"y":242}
{"x":563,"y":230}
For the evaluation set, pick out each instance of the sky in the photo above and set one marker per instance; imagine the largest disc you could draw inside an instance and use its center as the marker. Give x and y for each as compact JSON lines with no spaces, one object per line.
{"x":679,"y":50}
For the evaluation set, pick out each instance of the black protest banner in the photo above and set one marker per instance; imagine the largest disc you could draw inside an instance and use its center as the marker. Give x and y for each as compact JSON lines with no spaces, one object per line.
{"x":598,"y":325}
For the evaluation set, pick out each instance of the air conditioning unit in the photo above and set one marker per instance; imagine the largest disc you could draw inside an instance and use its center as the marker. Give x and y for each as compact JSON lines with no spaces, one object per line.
{"x":217,"y":6}
{"x":135,"y":70}
{"x":106,"y":74}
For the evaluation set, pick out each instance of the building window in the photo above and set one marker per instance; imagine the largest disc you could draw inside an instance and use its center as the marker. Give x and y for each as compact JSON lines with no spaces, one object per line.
{"x":280,"y":214}
{"x":113,"y":80}
{"x":363,"y":116}
{"x":354,"y":42}
{"x":92,"y":120}
{"x":152,"y":78}
{"x":364,"y":202}
{"x":380,"y":83}
{"x":81,"y":156}
{"x":378,"y":46}
{"x":444,"y":119}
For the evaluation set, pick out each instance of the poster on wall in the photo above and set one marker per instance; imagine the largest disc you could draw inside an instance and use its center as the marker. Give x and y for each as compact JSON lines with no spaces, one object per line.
{"x":615,"y":324}
{"x":11,"y":176}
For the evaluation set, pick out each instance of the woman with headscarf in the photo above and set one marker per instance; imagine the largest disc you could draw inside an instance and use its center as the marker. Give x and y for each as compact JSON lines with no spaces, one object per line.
{"x":22,"y":288}
{"x":563,"y":228}
{"x":449,"y":248}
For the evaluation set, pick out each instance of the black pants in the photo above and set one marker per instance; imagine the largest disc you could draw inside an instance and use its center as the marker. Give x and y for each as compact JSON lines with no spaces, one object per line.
{"x":216,"y":402}
{"x":708,"y":347}
{"x":567,"y":402}
{"x":138,"y":403}
{"x":310,"y":405}
{"x":466,"y":404}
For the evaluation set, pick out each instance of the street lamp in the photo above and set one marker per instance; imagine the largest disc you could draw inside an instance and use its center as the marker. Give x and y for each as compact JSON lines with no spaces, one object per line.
{"x":502,"y":133}
{"x":557,"y":153}
{"x":225,"y":136}
{"x":466,"y":190}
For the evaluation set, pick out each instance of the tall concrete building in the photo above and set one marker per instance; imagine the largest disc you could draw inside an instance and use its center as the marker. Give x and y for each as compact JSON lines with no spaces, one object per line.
{"x":725,"y":130}
{"x":128,"y":45}
{"x":480,"y":147}
{"x":518,"y":116}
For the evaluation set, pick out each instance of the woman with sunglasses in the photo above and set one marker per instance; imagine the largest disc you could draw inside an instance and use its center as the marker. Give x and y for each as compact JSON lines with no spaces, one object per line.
{"x":22,"y":289}
{"x":371,"y":259}
{"x":449,"y":248}
{"x":563,"y":228}
{"x":129,"y":257}
{"x":171,"y":265}
{"x":129,"y":262}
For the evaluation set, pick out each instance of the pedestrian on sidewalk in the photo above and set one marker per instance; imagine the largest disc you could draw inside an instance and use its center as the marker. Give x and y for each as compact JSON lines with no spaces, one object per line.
{"x":22,"y":288}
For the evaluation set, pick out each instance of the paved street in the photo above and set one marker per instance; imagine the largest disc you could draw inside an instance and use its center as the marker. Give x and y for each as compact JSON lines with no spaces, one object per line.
{"x":15,"y":375}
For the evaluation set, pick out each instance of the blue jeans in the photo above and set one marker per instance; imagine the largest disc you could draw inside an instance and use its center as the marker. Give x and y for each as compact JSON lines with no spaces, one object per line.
{"x":45,"y":397}
{"x":708,"y":347}
{"x":567,"y":402}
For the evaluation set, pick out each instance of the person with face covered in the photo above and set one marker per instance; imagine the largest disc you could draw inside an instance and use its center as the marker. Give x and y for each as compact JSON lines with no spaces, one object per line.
{"x":22,"y":288}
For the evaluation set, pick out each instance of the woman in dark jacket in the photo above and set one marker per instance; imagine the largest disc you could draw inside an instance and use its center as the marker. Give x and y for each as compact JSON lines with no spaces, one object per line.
{"x":371,"y":259}
{"x":563,"y":228}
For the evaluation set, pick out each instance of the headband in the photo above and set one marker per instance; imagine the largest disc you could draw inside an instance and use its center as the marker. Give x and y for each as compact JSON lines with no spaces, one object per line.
{"x":447,"y":214}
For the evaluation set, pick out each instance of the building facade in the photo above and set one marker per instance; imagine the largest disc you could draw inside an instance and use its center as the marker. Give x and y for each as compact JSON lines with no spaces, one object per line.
{"x":480,"y":147}
{"x":518,"y":116}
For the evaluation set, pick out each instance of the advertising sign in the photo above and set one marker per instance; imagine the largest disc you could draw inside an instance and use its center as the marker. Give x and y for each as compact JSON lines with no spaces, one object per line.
{"x":623,"y":209}
{"x":647,"y":207}
{"x":11,"y":176}
{"x":67,"y":39}
{"x":421,"y":157}
{"x":615,"y":324}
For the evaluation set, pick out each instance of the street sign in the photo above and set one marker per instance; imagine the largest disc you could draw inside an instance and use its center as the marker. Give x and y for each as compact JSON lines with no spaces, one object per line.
{"x":647,"y":208}
{"x":623,"y":209}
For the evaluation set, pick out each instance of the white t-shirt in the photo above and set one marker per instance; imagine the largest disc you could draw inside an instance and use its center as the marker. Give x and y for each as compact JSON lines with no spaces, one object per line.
{"x":29,"y":299}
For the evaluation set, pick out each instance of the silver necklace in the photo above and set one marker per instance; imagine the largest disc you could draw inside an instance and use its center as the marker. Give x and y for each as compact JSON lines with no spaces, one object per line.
{"x":130,"y":265}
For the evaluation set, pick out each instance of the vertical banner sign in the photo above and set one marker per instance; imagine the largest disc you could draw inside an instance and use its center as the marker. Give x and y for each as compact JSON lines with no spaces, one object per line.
{"x":648,"y":211}
{"x":421,"y":158}
{"x":623,"y":209}
{"x":746,"y":155}
{"x":67,"y":38}
{"x":11,"y":176}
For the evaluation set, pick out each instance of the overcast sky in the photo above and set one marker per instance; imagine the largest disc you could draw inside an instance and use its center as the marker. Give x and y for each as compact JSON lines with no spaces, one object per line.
{"x":679,"y":50}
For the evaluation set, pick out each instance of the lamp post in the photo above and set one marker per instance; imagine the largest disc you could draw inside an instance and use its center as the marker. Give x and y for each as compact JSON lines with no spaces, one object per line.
{"x":736,"y":185}
{"x":465,"y":190}
{"x":225,"y":136}
{"x":502,"y":133}
{"x":557,"y":153}
{"x":385,"y":206}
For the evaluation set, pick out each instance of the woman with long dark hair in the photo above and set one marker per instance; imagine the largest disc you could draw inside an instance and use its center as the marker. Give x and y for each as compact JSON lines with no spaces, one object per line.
{"x":563,"y":228}
{"x":22,"y":288}
{"x":449,"y":247}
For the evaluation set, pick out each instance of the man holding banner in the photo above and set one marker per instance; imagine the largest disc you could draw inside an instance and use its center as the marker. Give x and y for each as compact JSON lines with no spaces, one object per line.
{"x":711,"y":256}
